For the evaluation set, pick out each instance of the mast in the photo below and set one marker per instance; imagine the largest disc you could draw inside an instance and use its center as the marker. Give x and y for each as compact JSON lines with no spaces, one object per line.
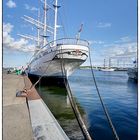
{"x":104,"y":63}
{"x":38,"y":29}
{"x":118,"y":63}
{"x":109,"y":62}
{"x":123,"y":64}
{"x":45,"y":17}
{"x":55,"y":20}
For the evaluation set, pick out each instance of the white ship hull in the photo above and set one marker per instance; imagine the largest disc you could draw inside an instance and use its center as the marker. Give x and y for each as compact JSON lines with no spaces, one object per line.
{"x":110,"y":69}
{"x":54,"y":60}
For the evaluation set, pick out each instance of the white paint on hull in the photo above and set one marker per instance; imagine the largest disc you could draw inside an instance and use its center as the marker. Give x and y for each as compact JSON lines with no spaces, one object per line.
{"x":107,"y":69}
{"x":49,"y":62}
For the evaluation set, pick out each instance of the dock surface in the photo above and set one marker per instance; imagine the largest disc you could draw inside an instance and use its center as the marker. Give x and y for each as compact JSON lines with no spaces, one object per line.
{"x":16,"y":120}
{"x":27,"y":123}
{"x":44,"y":125}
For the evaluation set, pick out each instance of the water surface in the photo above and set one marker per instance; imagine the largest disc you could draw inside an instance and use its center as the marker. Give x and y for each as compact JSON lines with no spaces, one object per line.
{"x":118,"y":93}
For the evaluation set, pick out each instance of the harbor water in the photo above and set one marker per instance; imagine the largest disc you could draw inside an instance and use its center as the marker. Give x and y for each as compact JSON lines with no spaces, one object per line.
{"x":118,"y":93}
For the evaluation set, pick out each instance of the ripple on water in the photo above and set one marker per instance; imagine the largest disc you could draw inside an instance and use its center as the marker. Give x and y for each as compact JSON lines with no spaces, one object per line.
{"x":119,"y":96}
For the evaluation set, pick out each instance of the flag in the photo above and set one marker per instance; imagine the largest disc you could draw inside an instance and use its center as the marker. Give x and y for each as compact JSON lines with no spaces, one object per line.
{"x":81,"y":27}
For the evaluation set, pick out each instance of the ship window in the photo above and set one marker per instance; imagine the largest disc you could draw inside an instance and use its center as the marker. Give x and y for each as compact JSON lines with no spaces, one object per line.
{"x":59,"y":44}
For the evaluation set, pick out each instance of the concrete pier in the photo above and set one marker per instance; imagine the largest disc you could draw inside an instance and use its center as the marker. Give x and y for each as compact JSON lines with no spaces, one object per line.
{"x":27,"y":119}
{"x":44,"y":125}
{"x":16,"y":120}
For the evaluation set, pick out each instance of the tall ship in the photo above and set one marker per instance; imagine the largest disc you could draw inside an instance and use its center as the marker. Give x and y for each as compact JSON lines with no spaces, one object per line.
{"x":107,"y":68}
{"x":50,"y":55}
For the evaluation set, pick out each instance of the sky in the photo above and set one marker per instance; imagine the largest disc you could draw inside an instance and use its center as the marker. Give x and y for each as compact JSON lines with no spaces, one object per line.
{"x":109,"y":26}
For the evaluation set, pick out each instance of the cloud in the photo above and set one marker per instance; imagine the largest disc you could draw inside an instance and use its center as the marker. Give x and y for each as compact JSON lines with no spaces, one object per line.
{"x":98,"y":42}
{"x":124,"y":39}
{"x":27,"y":7}
{"x":122,"y":49}
{"x":103,"y":25}
{"x":11,"y":4}
{"x":15,"y":45}
{"x":9,"y":16}
{"x":125,"y":49}
{"x":117,"y":51}
{"x":92,"y":42}
{"x":7,"y":28}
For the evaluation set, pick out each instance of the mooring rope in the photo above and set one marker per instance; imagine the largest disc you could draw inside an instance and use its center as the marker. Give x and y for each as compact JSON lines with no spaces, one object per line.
{"x":101,"y":100}
{"x":33,"y":85}
{"x":73,"y":103}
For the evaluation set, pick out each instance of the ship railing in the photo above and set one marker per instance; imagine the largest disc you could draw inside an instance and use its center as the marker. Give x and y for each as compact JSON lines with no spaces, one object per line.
{"x":58,"y":42}
{"x":63,"y":41}
{"x":67,"y":41}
